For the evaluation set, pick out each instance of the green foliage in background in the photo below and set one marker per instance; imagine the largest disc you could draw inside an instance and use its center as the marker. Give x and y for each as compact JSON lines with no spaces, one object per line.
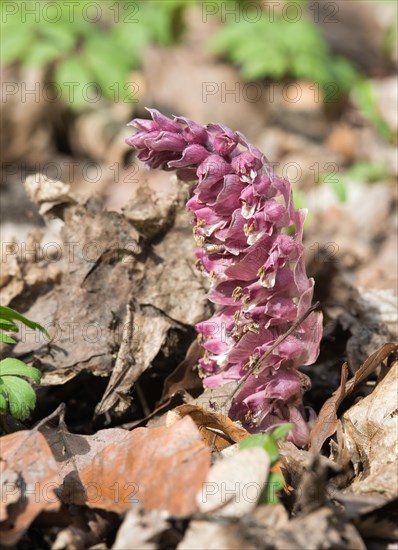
{"x":82,"y":45}
{"x":364,"y":96}
{"x":90,"y":48}
{"x":268,"y":442}
{"x":363,"y":172}
{"x":272,"y":46}
{"x":280,"y":43}
{"x":16,"y":394}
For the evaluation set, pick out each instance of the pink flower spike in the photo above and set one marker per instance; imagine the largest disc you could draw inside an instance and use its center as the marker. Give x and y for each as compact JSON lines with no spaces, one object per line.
{"x":242,"y":212}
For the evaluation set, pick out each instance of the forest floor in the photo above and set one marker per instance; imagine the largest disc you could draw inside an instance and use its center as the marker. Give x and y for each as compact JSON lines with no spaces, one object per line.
{"x":124,"y":449}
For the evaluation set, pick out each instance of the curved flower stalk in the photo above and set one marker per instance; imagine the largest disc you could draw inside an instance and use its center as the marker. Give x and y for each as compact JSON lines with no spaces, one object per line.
{"x":250,"y":244}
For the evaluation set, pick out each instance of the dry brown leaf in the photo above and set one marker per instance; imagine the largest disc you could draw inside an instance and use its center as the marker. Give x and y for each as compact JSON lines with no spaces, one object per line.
{"x":139,"y":530}
{"x":371,"y":316}
{"x":28,"y":480}
{"x":74,"y":452}
{"x":171,"y":283}
{"x":184,"y":377}
{"x":144,"y":333}
{"x":152,"y":213}
{"x":368,"y":427}
{"x":323,"y":528}
{"x":11,"y":280}
{"x":215,"y":536}
{"x":326,"y":423}
{"x":122,"y":297}
{"x":295,"y":461}
{"x":47,"y":192}
{"x":217,"y":430}
{"x":31,"y":272}
{"x":161,"y":468}
{"x":379,"y":522}
{"x":85,"y":314}
{"x":216,"y":399}
{"x":234,"y":484}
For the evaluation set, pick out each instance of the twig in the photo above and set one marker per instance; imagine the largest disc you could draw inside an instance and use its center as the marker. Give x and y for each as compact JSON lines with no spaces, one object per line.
{"x":259,"y":361}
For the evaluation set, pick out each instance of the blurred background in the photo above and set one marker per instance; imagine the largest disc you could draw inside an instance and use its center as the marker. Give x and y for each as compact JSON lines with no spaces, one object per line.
{"x":312,"y":83}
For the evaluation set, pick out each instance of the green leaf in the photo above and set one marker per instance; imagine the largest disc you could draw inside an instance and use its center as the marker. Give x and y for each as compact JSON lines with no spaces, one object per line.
{"x":130,"y":41}
{"x":109,"y":66}
{"x":15,"y":45}
{"x":20,"y":395}
{"x":5,"y":324}
{"x":72,"y":75}
{"x":11,"y":366}
{"x":280,"y":49}
{"x":367,"y":171}
{"x":63,"y":34}
{"x":3,"y":402}
{"x":42,"y":53}
{"x":265,"y":441}
{"x":298,"y":199}
{"x":339,"y":186}
{"x":344,"y":73}
{"x":8,"y":314}
{"x":280,"y":432}
{"x":273,"y":485}
{"x":7,"y":339}
{"x":364,"y":96}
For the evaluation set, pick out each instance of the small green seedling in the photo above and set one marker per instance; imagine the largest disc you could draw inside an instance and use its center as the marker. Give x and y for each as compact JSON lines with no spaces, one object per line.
{"x":16,"y":394}
{"x":268,"y":442}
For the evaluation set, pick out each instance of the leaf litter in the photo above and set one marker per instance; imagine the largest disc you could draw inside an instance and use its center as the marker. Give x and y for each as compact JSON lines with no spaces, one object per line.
{"x":180,"y":481}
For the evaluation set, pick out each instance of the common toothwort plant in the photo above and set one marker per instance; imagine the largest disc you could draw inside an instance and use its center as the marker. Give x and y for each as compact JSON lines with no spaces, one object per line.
{"x":250,"y":244}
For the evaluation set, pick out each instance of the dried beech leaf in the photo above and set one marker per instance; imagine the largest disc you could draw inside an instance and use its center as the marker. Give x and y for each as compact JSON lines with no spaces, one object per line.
{"x":295,"y":461}
{"x":139,"y":530}
{"x":368,"y":427}
{"x":144,"y":333}
{"x":161,"y":468}
{"x":217,"y":430}
{"x":172,"y":284}
{"x":84,"y":317}
{"x":74,"y":452}
{"x":185,"y":376}
{"x":326,"y":423}
{"x":28,"y":480}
